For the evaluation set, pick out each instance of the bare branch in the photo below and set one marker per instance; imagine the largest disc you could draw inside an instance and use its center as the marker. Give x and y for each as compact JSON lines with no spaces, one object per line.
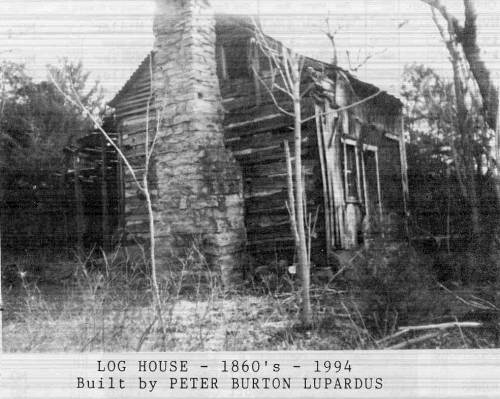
{"x":481,"y":306}
{"x":150,"y":149}
{"x":155,"y":137}
{"x":272,"y":55}
{"x":364,"y":61}
{"x":148,"y":106}
{"x":453,"y":23}
{"x":290,"y":65}
{"x":302,"y":62}
{"x":287,"y":65}
{"x":331,"y":36}
{"x":403,"y":23}
{"x":355,"y":104}
{"x":439,"y":27}
{"x":309,"y":87}
{"x":277,"y":86}
{"x":442,"y":326}
{"x":271,"y":94}
{"x":415,"y":340}
{"x":481,"y":73}
{"x":79,"y":104}
{"x":144,"y":187}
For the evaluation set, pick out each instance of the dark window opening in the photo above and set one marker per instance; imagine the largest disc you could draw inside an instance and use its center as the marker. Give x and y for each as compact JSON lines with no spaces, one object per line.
{"x":351,"y":172}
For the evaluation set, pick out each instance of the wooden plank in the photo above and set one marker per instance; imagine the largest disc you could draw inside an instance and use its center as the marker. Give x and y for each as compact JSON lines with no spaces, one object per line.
{"x":332,"y":148}
{"x":329,"y":229}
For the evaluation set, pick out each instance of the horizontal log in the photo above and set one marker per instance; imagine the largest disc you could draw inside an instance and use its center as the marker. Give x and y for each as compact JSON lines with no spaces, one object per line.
{"x":136,"y":111}
{"x":268,"y":138}
{"x":135,"y":122}
{"x":269,"y":154}
{"x":133,"y":98}
{"x":258,"y":184}
{"x":239,"y":102}
{"x":275,"y":169}
{"x":276,"y":202}
{"x":266,"y":123}
{"x":263,"y":193}
{"x":232,"y":87}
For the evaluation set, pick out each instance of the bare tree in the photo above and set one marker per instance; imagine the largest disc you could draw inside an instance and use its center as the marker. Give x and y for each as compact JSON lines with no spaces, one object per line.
{"x":476,"y":101}
{"x":360,"y":62}
{"x":286,"y":82}
{"x":142,"y":184}
{"x":286,"y":77}
{"x":462,"y":37}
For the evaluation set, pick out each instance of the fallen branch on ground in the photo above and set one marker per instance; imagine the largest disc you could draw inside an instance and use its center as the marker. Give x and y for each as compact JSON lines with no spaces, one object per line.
{"x":442,"y":326}
{"x":474,"y":304}
{"x":415,"y":340}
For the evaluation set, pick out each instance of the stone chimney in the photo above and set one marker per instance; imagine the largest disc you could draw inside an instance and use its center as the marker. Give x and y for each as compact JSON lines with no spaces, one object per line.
{"x":200,"y":194}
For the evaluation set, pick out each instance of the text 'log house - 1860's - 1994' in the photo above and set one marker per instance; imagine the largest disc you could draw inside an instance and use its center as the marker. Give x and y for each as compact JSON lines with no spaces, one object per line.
{"x":219,"y":171}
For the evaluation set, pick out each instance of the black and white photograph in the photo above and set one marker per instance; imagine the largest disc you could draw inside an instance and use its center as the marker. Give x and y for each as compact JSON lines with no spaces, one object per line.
{"x":215,"y":175}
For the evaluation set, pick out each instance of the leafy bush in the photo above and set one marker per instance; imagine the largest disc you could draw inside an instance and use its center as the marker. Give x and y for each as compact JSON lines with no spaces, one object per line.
{"x":393,"y":285}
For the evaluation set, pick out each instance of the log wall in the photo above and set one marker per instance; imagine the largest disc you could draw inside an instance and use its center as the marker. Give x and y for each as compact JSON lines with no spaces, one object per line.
{"x":130,"y":112}
{"x":254,"y":131}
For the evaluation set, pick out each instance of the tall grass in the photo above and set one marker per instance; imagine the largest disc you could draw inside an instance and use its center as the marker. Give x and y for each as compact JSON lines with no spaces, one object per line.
{"x":105,"y":304}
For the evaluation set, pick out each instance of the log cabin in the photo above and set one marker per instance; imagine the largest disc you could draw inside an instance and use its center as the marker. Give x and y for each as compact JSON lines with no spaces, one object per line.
{"x":219,"y":172}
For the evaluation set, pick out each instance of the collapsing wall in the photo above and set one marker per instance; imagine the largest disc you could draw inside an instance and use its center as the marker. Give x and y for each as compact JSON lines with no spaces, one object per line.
{"x":198,"y":181}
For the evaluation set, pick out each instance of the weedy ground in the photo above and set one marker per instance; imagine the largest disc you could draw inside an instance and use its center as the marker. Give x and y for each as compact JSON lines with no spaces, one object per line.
{"x":106,"y":305}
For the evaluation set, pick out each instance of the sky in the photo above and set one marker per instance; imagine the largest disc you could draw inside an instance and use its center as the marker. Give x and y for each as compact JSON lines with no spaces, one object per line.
{"x":111,"y":37}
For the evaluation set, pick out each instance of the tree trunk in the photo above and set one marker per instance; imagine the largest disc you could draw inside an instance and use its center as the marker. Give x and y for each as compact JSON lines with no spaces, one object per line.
{"x":299,"y":194}
{"x":465,"y":136}
{"x":291,"y":195}
{"x":121,"y":188}
{"x":104,"y":197}
{"x":482,"y":75}
{"x":152,"y":255}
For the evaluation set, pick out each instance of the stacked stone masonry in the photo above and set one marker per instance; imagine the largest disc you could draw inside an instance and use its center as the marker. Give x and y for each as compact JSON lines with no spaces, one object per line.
{"x":198,"y":180}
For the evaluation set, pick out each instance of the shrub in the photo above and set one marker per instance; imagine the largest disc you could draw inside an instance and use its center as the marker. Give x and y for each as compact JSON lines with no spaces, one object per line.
{"x":392,"y":286}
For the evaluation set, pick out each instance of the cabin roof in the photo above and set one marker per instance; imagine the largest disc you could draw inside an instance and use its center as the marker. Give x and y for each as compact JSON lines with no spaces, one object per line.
{"x":224,"y":22}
